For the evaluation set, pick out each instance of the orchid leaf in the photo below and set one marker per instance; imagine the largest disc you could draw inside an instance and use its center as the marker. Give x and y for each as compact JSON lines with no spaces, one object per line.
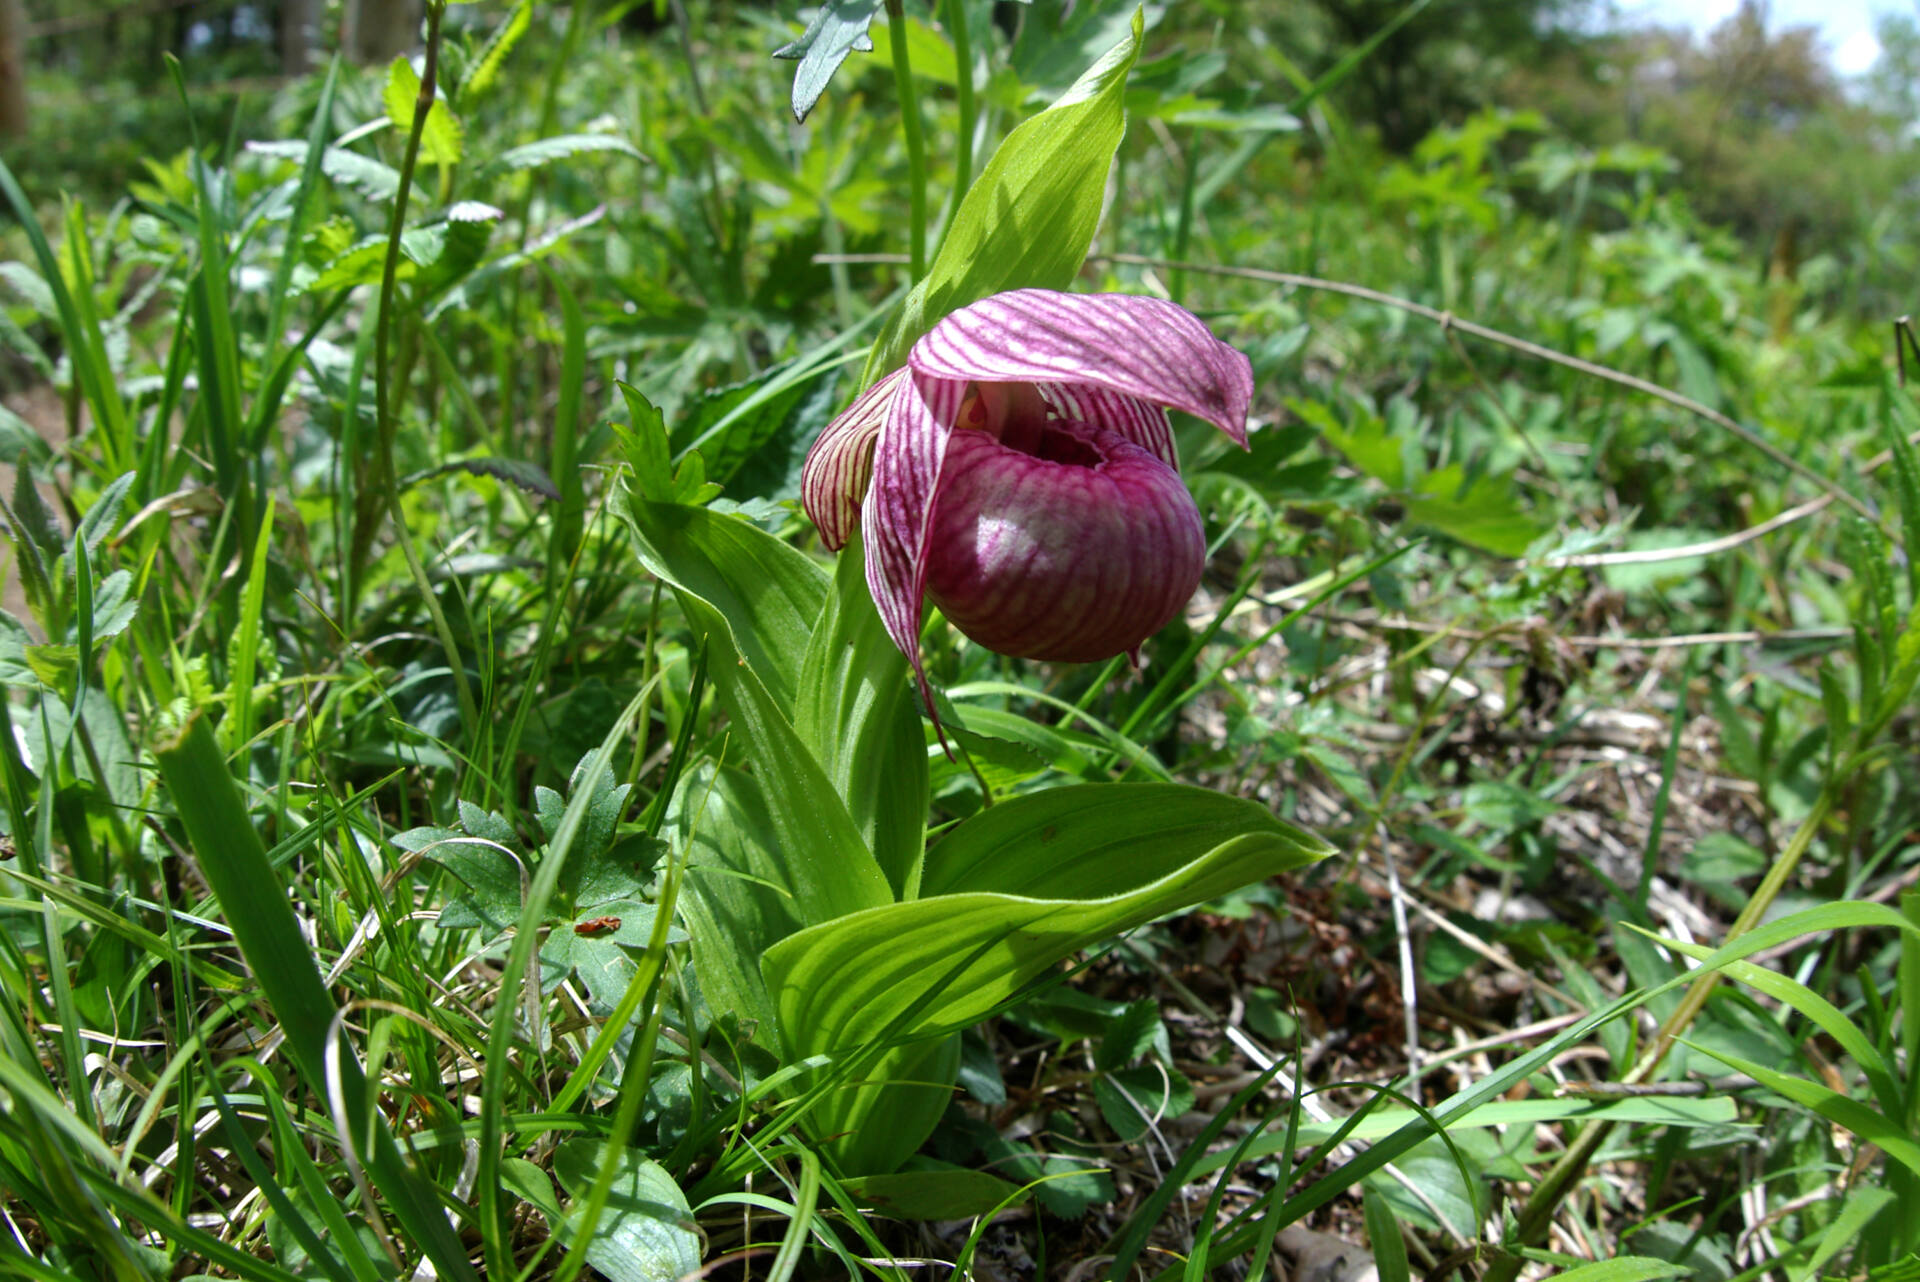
{"x":857,"y":711}
{"x":1009,"y":894}
{"x":752,"y":601}
{"x":942,"y":1192}
{"x":1029,"y":219}
{"x":740,"y":896}
{"x":838,"y":29}
{"x":766,"y":595}
{"x":880,"y":1120}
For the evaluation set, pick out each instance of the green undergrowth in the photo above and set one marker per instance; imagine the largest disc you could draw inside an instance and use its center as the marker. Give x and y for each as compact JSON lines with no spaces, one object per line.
{"x":363,"y":749}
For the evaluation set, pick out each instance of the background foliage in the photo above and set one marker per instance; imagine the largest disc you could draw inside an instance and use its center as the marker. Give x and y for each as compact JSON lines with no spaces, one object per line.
{"x":1585,"y":671}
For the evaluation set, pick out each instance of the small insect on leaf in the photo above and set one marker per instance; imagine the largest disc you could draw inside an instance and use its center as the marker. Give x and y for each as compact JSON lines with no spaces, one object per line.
{"x":597,"y":926}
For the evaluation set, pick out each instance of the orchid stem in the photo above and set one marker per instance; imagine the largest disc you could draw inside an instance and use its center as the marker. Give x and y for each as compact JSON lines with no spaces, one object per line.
{"x":916,"y":145}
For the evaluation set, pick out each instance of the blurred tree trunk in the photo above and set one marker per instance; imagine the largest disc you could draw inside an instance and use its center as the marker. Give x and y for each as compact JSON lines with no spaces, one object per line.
{"x":299,"y":21}
{"x":13,"y":68}
{"x":378,"y":31}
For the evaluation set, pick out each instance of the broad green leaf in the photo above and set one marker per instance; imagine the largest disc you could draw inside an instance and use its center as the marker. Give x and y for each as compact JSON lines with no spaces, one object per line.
{"x":1013,"y":891}
{"x":1112,"y":841}
{"x":873,"y":1125}
{"x":646,"y":1233}
{"x":940,"y":1193}
{"x":1383,"y":1235}
{"x":752,"y":601}
{"x":859,"y":714}
{"x":1029,"y":219}
{"x":440,"y":137}
{"x":768,"y":595}
{"x":1071,"y":752}
{"x":1451,"y":1184}
{"x":1016,"y":890}
{"x":742,"y":893}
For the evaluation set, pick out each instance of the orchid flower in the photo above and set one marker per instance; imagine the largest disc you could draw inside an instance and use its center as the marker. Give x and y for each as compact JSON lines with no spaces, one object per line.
{"x":1019,"y":471}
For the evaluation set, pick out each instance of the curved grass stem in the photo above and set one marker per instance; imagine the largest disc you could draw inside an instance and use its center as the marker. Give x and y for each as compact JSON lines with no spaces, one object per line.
{"x":1547,"y":1196}
{"x":385,"y":479}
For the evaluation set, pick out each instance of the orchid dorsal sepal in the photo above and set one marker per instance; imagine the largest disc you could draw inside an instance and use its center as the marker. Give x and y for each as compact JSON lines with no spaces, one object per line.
{"x":1020,"y":472}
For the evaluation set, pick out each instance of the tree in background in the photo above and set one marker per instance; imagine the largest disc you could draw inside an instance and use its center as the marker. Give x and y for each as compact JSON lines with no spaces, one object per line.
{"x":375,"y":31}
{"x":1769,"y":141}
{"x":298,"y":22}
{"x":13,"y":68}
{"x":1438,"y":68}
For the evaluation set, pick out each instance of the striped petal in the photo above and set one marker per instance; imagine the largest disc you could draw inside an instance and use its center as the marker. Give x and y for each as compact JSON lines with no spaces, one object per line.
{"x":1143,"y":424}
{"x":1151,"y":351}
{"x":840,"y":464}
{"x":911,"y":448}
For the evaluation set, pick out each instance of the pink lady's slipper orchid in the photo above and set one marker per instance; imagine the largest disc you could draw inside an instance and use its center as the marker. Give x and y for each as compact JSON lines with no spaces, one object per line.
{"x":1019,"y":472}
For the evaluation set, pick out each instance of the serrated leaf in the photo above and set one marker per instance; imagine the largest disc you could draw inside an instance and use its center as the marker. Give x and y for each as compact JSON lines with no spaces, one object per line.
{"x":486,"y":68}
{"x":103,"y":515}
{"x":838,"y":29}
{"x":748,"y":432}
{"x":440,"y":137}
{"x":372,"y":178}
{"x":1132,"y":1100}
{"x":32,"y":288}
{"x":493,"y":880}
{"x":53,"y":665}
{"x":14,"y":640}
{"x":1131,"y":1035}
{"x":113,"y":608}
{"x":360,"y":265}
{"x":532,"y":155}
{"x":528,"y":477}
{"x":487,"y":824}
{"x":650,"y":456}
{"x":15,"y":339}
{"x":34,"y":521}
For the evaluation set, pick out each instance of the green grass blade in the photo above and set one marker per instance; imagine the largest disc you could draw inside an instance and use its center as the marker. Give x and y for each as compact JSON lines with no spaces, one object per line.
{"x":500,"y":1037}
{"x":563,"y":463}
{"x":254,"y":902}
{"x":86,"y":344}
